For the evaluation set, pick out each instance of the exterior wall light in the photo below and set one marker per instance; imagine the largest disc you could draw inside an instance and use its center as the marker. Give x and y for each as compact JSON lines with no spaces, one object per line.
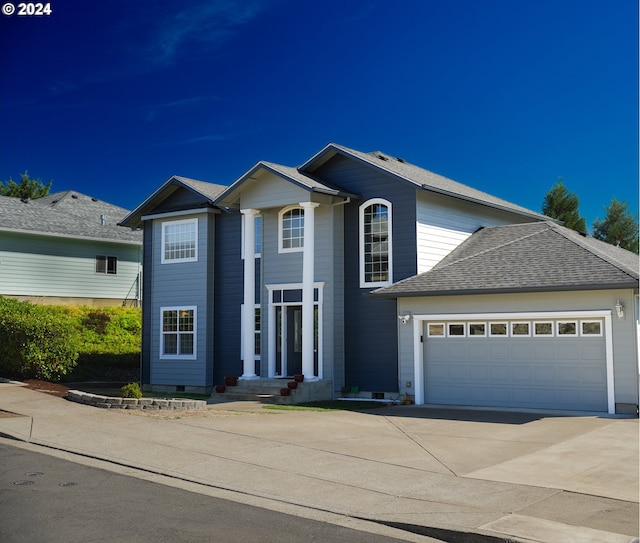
{"x":405,"y":317}
{"x":620,"y":309}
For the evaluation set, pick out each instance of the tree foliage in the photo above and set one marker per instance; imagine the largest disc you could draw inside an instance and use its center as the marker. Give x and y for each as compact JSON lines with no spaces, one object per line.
{"x":561,"y":204}
{"x":26,"y":188}
{"x":619,"y":226}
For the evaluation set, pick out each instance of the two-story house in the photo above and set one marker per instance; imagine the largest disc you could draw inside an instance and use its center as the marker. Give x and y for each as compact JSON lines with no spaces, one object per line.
{"x":301,"y":270}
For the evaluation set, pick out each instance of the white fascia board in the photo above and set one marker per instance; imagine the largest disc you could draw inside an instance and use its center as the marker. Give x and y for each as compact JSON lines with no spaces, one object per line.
{"x":179,"y":213}
{"x":515,"y":315}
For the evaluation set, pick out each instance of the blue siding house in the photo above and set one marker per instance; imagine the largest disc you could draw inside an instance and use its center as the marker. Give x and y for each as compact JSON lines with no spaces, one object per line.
{"x":292,"y":271}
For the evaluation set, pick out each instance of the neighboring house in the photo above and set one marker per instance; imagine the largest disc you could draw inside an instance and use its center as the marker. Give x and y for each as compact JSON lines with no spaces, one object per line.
{"x":302,"y":270}
{"x":67,"y":248}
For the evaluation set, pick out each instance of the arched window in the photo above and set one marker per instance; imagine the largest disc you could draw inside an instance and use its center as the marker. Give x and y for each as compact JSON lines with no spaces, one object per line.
{"x":291,"y":231}
{"x":375,"y":243}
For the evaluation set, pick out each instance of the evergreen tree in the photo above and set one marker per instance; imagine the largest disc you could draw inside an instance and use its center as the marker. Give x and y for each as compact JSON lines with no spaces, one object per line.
{"x":27,"y":188}
{"x":561,"y":204}
{"x":619,"y":226}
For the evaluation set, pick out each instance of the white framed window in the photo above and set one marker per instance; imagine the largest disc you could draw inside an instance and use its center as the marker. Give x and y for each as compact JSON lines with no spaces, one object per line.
{"x":567,"y":328}
{"x":291,"y":229}
{"x":498,"y":329}
{"x":435,"y":329}
{"x":456,"y":329}
{"x":179,"y":241}
{"x":520,"y":329}
{"x":178,"y":331}
{"x":107,"y":264}
{"x":375,"y":243}
{"x":542,"y":328}
{"x":477,"y":329}
{"x":591,"y":328}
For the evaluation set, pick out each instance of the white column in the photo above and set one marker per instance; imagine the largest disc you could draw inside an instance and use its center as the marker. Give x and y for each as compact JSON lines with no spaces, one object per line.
{"x":248,"y":322}
{"x":308,"y":265}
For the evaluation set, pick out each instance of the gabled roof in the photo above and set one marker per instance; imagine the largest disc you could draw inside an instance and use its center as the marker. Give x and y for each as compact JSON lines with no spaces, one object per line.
{"x":532,"y":257}
{"x":208,"y":191}
{"x":68,"y":214}
{"x":421,"y":178}
{"x":293,"y":175}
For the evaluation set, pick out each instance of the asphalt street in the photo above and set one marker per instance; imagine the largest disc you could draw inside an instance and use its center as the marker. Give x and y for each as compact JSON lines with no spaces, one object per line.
{"x":44,"y":499}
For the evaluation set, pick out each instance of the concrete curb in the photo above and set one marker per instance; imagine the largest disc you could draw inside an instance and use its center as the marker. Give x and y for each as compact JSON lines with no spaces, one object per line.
{"x":110,"y":402}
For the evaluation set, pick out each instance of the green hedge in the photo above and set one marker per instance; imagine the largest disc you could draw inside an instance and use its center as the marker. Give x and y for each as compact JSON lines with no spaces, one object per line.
{"x":106,"y":341}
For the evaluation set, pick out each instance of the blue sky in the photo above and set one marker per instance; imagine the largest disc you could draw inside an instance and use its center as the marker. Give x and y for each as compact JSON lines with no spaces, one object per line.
{"x":503,"y":95}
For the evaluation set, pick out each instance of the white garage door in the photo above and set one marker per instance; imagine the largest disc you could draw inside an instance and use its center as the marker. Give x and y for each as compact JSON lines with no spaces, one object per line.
{"x":544,"y":364}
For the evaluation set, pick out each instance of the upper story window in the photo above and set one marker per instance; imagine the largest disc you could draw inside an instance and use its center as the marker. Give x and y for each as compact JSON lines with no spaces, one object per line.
{"x":180,"y":241}
{"x":291,"y":229}
{"x":375,"y":243}
{"x":107,"y":264}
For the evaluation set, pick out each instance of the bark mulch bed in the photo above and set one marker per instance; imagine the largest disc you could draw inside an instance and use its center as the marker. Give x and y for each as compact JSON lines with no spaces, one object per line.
{"x":55,"y":389}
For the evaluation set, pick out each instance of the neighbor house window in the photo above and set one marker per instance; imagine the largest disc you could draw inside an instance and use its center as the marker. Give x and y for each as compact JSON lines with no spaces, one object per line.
{"x":291,"y":229}
{"x":180,"y":241}
{"x":178,"y":332}
{"x":375,"y":243}
{"x":107,"y":264}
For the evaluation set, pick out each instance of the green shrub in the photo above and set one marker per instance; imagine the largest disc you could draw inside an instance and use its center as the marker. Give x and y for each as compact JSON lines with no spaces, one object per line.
{"x":35,"y":343}
{"x":132,"y":390}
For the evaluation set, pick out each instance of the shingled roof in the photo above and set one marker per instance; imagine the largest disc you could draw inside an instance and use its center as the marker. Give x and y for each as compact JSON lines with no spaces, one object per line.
{"x":421,"y":178}
{"x":66,"y":214}
{"x":532,"y":257}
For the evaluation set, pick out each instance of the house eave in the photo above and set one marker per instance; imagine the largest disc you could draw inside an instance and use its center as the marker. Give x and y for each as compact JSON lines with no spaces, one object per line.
{"x":509,"y":290}
{"x":70,"y":236}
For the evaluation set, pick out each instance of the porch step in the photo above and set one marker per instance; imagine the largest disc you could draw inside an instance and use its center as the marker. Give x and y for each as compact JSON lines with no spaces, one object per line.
{"x":268,"y":391}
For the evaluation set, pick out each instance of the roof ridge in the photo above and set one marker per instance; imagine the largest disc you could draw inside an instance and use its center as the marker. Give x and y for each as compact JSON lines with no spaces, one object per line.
{"x":440,"y":265}
{"x":577,"y":238}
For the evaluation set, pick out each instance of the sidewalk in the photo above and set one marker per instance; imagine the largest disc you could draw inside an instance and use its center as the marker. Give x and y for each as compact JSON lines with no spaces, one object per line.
{"x":518,"y":476}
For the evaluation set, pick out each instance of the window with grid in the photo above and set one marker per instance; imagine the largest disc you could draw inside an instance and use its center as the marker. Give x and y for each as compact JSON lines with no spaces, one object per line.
{"x":107,"y":264}
{"x":178,"y":332}
{"x":292,"y":229}
{"x":375,"y":243}
{"x":179,"y":241}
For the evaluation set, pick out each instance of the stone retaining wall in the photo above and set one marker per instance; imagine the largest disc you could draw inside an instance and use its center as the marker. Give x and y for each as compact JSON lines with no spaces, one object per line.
{"x":111,"y":402}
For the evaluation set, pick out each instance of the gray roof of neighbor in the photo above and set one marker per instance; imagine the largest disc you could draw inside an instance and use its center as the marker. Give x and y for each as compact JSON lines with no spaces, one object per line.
{"x":420,"y":177}
{"x":66,"y":214}
{"x":532,"y":257}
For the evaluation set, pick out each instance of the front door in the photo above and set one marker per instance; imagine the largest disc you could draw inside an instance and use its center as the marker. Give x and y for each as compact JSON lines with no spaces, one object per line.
{"x":294,"y":339}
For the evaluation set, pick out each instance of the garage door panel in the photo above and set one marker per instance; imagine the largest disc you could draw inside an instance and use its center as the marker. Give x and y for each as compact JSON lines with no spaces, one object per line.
{"x":536,"y":372}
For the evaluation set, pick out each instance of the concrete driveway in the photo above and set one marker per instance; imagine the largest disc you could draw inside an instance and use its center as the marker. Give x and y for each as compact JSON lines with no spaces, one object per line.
{"x":411,"y":472}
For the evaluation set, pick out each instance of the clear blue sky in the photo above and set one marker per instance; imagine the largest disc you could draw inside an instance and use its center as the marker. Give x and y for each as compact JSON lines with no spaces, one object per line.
{"x":112,"y":98}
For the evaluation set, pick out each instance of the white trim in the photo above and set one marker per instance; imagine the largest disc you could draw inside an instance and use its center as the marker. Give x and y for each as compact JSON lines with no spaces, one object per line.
{"x":272,"y":340}
{"x":281,"y":213}
{"x":444,"y":330}
{"x":568,"y":321}
{"x":249,"y":295}
{"x":163,"y":227}
{"x":506,"y":329}
{"x":193,"y":356}
{"x":591,"y":321}
{"x":535,"y":334}
{"x":363,"y":206}
{"x":517,"y":322}
{"x":464,"y":329}
{"x":483,"y":335}
{"x":418,"y":346}
{"x":255,"y":220}
{"x":170,"y":214}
